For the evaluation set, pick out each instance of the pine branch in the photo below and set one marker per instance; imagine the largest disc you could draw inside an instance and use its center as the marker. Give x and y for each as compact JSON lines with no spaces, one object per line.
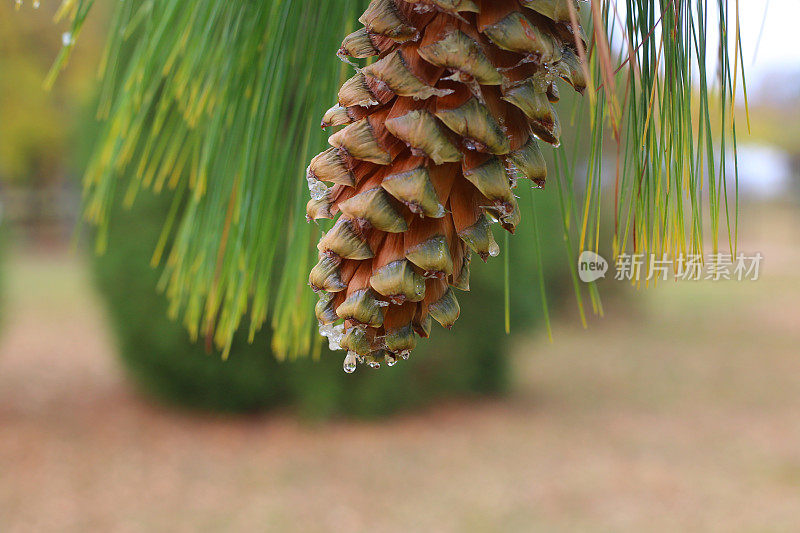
{"x":216,"y":102}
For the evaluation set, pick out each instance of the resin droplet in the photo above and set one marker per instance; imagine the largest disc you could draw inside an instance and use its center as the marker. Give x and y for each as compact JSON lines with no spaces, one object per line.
{"x":334,"y":335}
{"x":350,"y":362}
{"x":317,"y":189}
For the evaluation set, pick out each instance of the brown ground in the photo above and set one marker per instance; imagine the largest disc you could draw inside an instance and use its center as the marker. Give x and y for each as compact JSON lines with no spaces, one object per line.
{"x":682,"y":414}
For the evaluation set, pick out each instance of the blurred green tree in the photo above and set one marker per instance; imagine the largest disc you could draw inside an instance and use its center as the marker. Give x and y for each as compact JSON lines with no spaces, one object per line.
{"x":168,"y":365}
{"x":37,"y":127}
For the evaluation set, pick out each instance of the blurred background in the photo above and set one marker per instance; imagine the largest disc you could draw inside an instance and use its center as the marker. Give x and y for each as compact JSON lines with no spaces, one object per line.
{"x":676,"y":411}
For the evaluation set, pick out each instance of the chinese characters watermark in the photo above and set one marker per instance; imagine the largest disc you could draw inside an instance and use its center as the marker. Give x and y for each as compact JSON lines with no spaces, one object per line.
{"x":689,"y":267}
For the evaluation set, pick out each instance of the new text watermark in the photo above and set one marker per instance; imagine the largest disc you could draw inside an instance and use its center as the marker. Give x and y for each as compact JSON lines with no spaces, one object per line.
{"x":689,"y":267}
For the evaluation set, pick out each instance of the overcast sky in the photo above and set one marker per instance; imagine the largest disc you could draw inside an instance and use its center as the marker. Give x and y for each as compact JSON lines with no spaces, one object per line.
{"x":770,"y":31}
{"x":777,"y":48}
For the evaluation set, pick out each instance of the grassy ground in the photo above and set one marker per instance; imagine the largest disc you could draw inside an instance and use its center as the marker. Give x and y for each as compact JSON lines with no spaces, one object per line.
{"x":678,"y":413}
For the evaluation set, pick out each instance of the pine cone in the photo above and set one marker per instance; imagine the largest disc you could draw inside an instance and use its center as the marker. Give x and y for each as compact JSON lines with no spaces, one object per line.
{"x":437,"y":131}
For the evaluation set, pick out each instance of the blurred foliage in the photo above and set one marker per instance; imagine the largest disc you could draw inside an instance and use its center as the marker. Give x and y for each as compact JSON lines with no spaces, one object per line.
{"x":776,"y":124}
{"x":162,"y":359}
{"x":157,"y":351}
{"x":37,"y":127}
